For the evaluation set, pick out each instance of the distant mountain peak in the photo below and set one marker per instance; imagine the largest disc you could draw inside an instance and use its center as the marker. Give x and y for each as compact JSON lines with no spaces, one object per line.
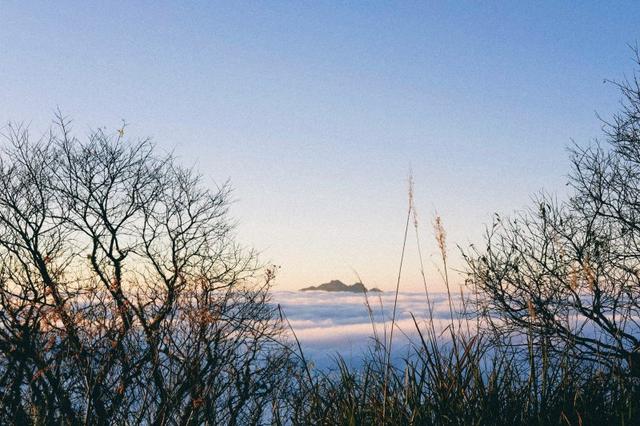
{"x":337,"y":285}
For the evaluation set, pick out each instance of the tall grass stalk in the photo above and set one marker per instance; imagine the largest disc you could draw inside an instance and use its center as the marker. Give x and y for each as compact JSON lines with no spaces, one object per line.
{"x":395,"y":299}
{"x":422,"y":272}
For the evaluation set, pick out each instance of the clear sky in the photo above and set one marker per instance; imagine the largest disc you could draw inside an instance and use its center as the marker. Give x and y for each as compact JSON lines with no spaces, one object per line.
{"x":316,"y":111}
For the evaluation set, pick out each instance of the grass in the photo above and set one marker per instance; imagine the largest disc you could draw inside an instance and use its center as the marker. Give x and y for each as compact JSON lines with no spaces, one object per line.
{"x":464,"y":375}
{"x":448,"y":388}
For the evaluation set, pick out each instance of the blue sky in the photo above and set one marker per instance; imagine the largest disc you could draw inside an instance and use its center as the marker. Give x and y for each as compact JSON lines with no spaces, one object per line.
{"x":317,"y":111}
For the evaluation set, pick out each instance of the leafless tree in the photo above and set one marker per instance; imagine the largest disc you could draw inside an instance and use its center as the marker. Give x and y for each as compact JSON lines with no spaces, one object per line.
{"x":123,"y":295}
{"x":569,"y":272}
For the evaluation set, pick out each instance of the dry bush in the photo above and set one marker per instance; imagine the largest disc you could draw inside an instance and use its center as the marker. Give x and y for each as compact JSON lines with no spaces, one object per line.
{"x":567,"y":274}
{"x":123,"y":295}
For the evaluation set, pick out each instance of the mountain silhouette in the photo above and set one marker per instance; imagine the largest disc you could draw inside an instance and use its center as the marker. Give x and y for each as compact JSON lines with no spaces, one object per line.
{"x":337,"y":285}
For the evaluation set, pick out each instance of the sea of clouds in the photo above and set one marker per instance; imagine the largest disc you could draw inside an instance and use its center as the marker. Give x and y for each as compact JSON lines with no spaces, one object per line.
{"x":331,"y":324}
{"x":328,"y":324}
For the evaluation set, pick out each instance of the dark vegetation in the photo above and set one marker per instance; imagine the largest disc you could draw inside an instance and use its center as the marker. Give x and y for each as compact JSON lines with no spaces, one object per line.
{"x":123,"y":296}
{"x":124,"y":299}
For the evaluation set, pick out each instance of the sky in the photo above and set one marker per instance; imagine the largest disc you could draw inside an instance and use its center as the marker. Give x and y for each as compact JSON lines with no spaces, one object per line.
{"x":316,"y":112}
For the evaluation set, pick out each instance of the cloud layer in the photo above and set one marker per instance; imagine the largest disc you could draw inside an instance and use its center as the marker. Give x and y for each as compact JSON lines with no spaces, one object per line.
{"x":339,"y":323}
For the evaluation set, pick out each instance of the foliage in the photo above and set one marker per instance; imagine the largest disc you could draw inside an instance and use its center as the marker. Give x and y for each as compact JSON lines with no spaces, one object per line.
{"x":568,"y":273}
{"x":123,"y":296}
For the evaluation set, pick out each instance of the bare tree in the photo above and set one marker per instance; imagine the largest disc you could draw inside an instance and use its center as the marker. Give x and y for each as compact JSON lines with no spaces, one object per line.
{"x":123,"y":295}
{"x":569,"y":272}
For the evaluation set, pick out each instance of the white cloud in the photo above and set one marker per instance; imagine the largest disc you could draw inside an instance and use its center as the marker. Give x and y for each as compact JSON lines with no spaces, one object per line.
{"x":330,"y":323}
